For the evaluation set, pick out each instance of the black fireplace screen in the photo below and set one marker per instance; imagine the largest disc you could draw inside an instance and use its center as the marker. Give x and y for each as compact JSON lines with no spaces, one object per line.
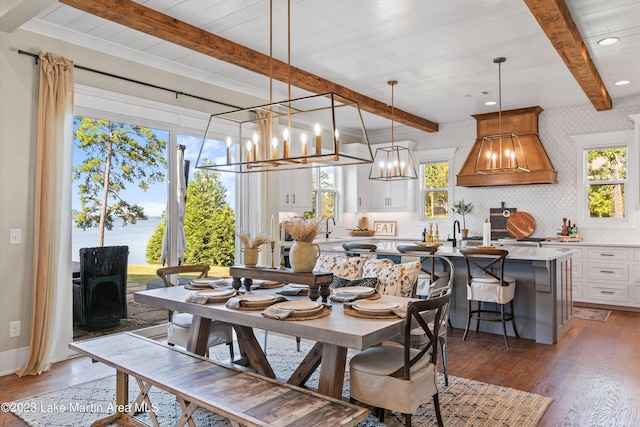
{"x":100,"y":294}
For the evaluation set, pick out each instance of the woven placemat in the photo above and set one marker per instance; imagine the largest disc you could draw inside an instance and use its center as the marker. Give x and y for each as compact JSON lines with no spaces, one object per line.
{"x":355,"y":313}
{"x":375,"y":295}
{"x":268,"y":285}
{"x":322,"y":313}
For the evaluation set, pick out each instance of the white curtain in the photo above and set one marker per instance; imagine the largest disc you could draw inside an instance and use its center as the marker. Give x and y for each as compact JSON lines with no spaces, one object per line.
{"x":51,"y":318}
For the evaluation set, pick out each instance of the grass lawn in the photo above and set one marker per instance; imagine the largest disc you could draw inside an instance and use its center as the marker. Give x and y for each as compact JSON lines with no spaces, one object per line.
{"x":147,"y":272}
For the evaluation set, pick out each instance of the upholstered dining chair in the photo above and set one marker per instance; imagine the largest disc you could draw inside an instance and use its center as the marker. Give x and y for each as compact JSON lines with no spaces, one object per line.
{"x":390,"y":377}
{"x":487,"y":283}
{"x":428,"y":274}
{"x":180,"y":323}
{"x":355,"y":249}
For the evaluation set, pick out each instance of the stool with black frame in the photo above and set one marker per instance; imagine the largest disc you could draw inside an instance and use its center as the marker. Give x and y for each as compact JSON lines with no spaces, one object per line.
{"x":355,"y":249}
{"x":487,"y":283}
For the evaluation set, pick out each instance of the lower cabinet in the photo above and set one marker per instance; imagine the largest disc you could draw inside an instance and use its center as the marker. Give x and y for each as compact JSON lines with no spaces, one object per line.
{"x":605,"y":274}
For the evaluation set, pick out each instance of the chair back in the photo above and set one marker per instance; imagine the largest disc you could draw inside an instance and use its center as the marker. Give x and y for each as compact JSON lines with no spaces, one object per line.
{"x":485,"y":261}
{"x":165,"y":272}
{"x":355,"y":249}
{"x":417,"y":314}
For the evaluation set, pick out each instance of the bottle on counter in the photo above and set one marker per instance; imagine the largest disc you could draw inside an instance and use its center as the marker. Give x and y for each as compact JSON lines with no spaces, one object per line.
{"x":424,"y":235}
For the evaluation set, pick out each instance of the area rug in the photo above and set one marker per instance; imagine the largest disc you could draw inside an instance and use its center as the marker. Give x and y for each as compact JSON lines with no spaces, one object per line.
{"x":591,"y":313}
{"x":463,"y":402}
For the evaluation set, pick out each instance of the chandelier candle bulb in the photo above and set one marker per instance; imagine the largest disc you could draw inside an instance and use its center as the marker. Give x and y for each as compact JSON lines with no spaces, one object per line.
{"x":256,"y":138}
{"x":274,"y":148}
{"x":486,"y":233}
{"x":317,"y":131}
{"x":303,"y":138}
{"x":285,"y":142}
{"x":249,"y":151}
{"x":337,"y":134}
{"x":228,"y":150}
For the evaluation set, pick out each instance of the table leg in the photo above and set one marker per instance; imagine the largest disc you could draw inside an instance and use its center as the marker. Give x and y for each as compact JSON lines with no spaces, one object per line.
{"x":199,"y":335}
{"x":334,"y":360}
{"x":308,"y":366}
{"x":249,"y":346}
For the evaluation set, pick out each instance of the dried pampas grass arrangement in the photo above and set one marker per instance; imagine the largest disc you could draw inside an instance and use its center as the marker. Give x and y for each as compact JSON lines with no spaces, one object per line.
{"x":303,"y":231}
{"x":247,"y":242}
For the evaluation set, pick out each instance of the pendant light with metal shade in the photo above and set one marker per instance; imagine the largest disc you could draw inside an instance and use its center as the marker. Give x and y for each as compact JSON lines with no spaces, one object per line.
{"x":501,"y":152}
{"x":393,"y":163}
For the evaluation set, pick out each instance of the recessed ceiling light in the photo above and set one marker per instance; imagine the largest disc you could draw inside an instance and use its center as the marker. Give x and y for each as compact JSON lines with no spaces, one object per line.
{"x":608,"y":41}
{"x":490,"y":103}
{"x":621,"y":83}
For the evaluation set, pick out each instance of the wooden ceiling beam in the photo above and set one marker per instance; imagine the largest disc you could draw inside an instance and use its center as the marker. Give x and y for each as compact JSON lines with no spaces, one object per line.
{"x":555,"y":19}
{"x":154,"y":23}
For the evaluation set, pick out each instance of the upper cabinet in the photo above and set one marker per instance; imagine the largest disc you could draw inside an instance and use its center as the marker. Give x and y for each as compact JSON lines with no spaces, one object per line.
{"x":295,"y":190}
{"x":369,"y":195}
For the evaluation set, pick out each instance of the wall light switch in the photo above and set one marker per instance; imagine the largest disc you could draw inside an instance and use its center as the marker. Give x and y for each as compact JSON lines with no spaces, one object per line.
{"x":15,"y":236}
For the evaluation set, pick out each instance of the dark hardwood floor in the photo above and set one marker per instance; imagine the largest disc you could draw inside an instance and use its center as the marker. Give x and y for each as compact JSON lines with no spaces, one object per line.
{"x":593,"y":374}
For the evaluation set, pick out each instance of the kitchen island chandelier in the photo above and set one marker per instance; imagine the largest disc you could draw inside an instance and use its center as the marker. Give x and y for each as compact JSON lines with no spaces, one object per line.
{"x":501,"y":152}
{"x":314,"y":130}
{"x":393,"y":163}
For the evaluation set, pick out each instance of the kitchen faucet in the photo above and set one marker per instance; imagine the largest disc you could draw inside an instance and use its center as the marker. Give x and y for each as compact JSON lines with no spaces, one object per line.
{"x":455,"y":241}
{"x":334,"y":223}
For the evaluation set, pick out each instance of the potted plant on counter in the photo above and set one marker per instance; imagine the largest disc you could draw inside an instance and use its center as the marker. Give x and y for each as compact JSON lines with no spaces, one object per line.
{"x":462,"y":208}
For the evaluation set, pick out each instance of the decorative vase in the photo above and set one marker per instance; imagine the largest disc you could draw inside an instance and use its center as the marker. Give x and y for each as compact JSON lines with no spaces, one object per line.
{"x":465,"y":233}
{"x":250,"y":256}
{"x":303,"y":256}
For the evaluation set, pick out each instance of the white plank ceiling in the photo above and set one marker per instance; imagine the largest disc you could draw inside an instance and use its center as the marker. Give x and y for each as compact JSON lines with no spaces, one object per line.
{"x":440,"y":51}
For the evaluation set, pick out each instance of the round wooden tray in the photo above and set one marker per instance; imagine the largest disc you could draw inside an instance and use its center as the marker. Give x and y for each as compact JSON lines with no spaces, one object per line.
{"x":355,"y":313}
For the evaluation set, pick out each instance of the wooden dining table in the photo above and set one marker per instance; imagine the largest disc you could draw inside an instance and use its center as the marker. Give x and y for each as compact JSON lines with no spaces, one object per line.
{"x":333,"y":334}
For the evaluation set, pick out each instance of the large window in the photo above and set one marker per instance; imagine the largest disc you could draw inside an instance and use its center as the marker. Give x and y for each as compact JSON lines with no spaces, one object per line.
{"x":323,"y":182}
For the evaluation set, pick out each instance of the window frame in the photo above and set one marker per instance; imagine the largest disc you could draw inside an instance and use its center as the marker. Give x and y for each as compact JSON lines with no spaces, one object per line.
{"x":600,"y":141}
{"x":315,"y":172}
{"x":442,"y":155}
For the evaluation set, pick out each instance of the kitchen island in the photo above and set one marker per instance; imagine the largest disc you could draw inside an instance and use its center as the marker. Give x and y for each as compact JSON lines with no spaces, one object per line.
{"x":543,"y":300}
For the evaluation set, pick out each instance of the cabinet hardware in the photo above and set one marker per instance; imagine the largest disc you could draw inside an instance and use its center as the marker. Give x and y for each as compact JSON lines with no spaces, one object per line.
{"x":607,"y":254}
{"x":607,"y":271}
{"x":607,"y":292}
{"x":287,"y":199}
{"x":294,"y":199}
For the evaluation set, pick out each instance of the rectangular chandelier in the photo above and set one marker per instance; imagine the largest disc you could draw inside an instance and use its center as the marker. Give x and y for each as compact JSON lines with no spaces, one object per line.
{"x":501,"y":153}
{"x":298,"y":133}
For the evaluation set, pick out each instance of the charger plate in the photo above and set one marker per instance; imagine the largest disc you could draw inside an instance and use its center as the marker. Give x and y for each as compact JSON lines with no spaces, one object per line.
{"x":300,"y":308}
{"x":355,"y":313}
{"x":257,"y":300}
{"x":216,"y":292}
{"x":358,"y":290}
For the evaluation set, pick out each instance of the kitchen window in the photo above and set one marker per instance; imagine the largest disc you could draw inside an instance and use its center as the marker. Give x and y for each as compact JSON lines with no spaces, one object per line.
{"x":436,"y":178}
{"x":604,"y":178}
{"x":323,"y":182}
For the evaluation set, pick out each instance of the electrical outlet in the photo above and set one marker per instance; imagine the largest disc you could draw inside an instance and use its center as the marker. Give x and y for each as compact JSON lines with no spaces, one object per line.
{"x":15,"y":236}
{"x":14,"y":329}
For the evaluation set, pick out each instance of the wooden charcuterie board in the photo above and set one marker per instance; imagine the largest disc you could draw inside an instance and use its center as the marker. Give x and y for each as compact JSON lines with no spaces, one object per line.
{"x":521,"y":224}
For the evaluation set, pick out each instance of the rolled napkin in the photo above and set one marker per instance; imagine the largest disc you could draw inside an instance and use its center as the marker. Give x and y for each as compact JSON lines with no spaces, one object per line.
{"x":278,"y":313}
{"x":197,"y":299}
{"x":344,"y":297}
{"x":292,"y":290}
{"x":400,"y":311}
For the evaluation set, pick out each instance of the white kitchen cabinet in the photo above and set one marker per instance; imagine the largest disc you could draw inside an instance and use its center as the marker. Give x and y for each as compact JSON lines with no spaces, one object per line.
{"x":357,"y":185}
{"x":389,"y":195}
{"x":295,"y":190}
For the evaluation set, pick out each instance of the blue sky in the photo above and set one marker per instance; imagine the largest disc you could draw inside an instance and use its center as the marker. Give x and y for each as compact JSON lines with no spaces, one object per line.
{"x":154,"y":200}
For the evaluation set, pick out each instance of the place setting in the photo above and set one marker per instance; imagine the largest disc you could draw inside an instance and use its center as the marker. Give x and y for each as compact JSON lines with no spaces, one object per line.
{"x":253,"y":301}
{"x":211,"y":296}
{"x":297,"y":310}
{"x":207,"y":283}
{"x":375,"y":309}
{"x":353,"y":293}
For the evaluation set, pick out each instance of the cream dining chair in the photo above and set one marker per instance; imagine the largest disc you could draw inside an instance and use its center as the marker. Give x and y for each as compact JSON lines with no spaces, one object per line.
{"x":390,"y":377}
{"x":180,"y":323}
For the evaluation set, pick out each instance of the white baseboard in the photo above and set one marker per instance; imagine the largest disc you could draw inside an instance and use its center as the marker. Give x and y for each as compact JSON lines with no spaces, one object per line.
{"x":12,"y":360}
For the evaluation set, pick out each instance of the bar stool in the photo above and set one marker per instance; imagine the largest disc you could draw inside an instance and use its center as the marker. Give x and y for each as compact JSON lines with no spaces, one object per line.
{"x":487,"y":283}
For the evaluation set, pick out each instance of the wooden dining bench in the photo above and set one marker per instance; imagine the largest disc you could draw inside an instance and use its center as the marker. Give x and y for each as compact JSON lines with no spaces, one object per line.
{"x":242,"y":396}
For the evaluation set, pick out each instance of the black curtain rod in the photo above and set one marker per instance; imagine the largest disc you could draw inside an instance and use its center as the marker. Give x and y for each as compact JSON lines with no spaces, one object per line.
{"x":37,"y":59}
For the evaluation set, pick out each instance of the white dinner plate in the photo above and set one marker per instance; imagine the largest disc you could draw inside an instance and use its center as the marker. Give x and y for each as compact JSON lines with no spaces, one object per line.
{"x":375,"y":307}
{"x":300,"y":308}
{"x":216,"y":293}
{"x":358,"y":290}
{"x":256,"y":300}
{"x":206,"y":282}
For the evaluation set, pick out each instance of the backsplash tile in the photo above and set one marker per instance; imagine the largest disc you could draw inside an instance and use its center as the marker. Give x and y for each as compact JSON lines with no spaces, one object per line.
{"x":548,"y":203}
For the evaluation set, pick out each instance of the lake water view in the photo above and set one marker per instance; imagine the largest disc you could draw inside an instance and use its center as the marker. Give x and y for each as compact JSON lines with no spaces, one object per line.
{"x":136,"y":236}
